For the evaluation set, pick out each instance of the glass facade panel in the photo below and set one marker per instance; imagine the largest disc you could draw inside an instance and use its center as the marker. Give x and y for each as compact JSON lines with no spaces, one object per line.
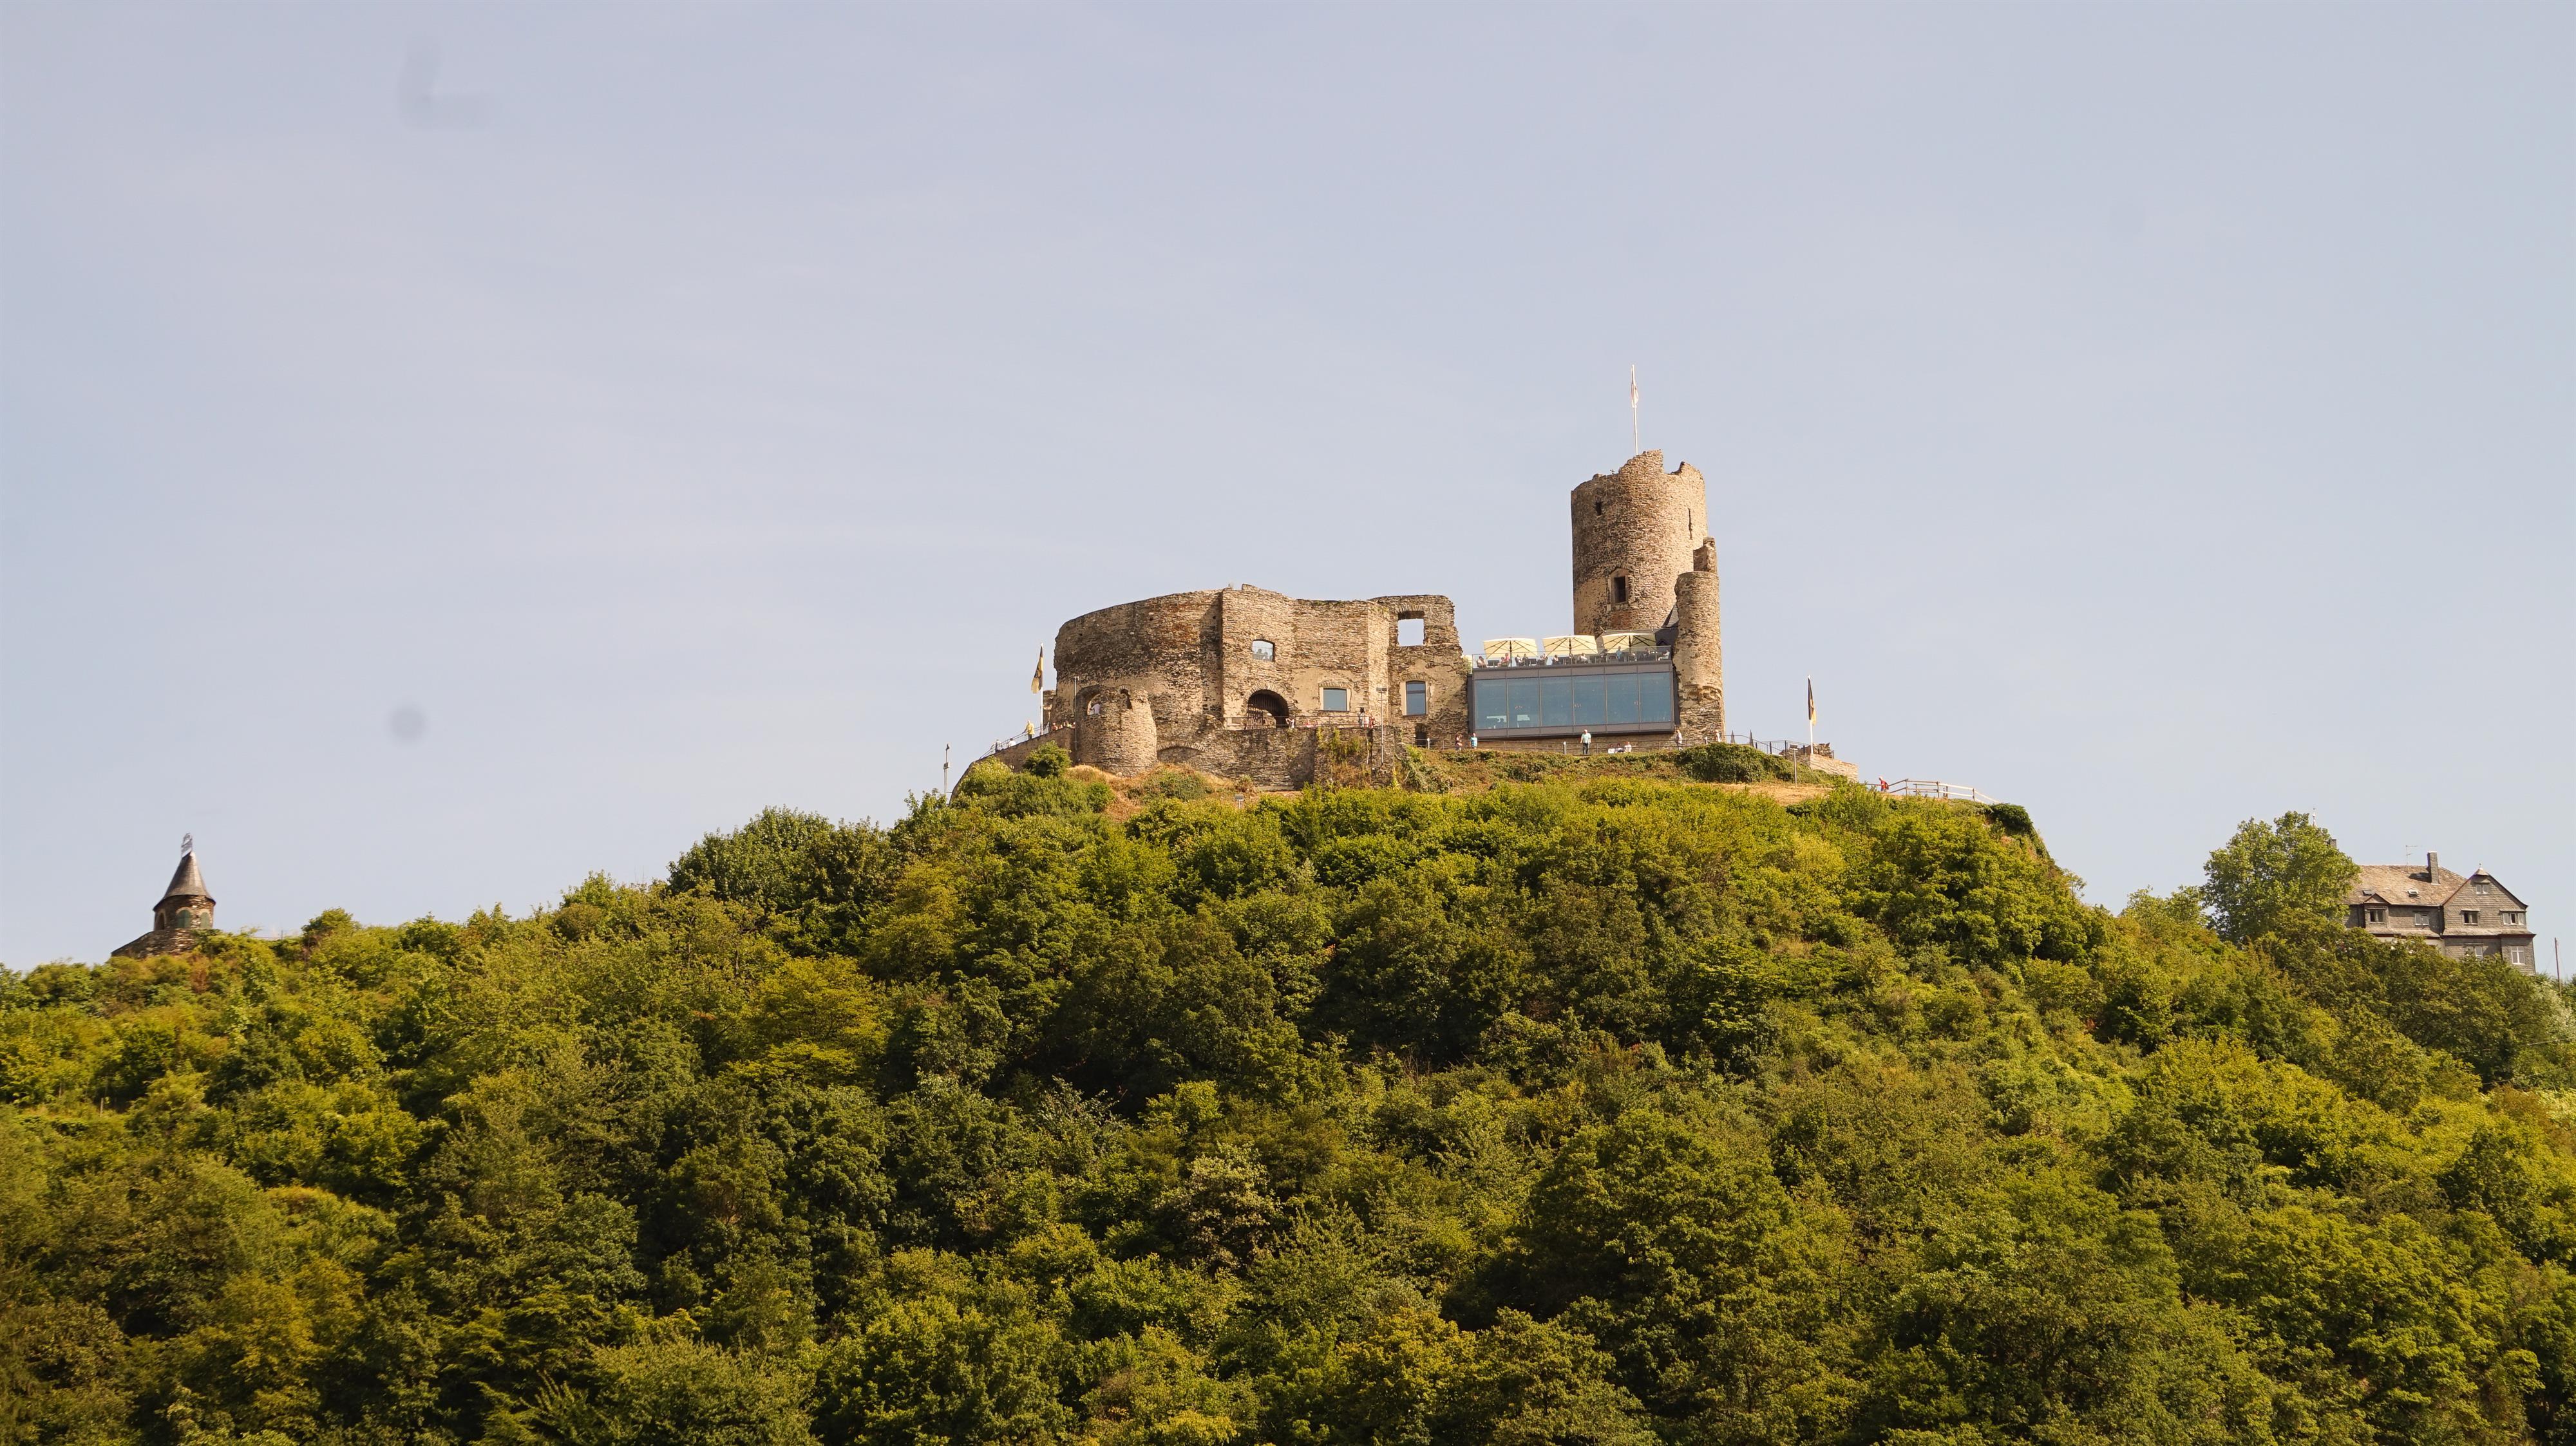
{"x":1590,"y":700}
{"x":1567,"y":700}
{"x":1623,"y":697}
{"x":1417,"y":699}
{"x":1654,"y":697}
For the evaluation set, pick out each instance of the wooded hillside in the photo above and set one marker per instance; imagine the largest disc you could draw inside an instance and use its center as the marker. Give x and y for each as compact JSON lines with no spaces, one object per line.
{"x":1588,"y":1110}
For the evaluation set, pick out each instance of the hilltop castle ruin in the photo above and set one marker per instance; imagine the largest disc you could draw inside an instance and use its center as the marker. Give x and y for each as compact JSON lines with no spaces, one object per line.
{"x":1243,"y":682}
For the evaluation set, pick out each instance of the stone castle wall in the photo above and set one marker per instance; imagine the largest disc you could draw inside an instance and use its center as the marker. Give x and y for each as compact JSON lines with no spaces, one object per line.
{"x":1116,"y":733}
{"x":1197,"y":657}
{"x":1699,"y":659}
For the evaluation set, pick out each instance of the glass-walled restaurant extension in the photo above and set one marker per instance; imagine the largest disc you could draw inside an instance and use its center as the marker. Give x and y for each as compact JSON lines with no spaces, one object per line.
{"x":1554,"y":701}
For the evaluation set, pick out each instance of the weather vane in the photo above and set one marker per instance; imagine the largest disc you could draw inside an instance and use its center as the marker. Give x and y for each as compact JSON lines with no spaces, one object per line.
{"x":187,"y":843}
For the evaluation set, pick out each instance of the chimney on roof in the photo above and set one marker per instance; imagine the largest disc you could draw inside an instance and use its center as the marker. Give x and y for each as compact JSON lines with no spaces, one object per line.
{"x":2432,"y":868}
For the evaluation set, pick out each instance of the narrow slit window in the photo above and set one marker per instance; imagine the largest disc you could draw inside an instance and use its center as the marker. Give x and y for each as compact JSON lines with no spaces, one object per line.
{"x":1618,"y":589}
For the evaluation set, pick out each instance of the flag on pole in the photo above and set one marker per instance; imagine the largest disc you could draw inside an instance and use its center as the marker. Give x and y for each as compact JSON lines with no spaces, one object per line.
{"x":1037,"y":680}
{"x":1811,"y":702}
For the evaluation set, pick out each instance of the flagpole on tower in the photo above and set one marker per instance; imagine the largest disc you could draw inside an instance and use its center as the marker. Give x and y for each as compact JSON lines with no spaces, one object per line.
{"x":1636,"y":434}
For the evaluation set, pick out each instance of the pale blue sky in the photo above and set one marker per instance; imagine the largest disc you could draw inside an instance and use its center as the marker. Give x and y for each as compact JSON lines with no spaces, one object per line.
{"x":2157,"y":415}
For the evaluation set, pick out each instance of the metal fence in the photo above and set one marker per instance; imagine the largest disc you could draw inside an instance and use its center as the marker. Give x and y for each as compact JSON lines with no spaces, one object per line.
{"x":1934,"y":788}
{"x":1767,"y":745}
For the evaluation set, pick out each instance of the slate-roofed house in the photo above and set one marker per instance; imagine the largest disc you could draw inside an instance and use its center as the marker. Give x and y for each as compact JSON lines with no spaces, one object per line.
{"x":2459,"y":914}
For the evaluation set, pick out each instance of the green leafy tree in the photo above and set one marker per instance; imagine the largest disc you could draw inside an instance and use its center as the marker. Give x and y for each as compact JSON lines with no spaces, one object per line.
{"x":2273,"y":878}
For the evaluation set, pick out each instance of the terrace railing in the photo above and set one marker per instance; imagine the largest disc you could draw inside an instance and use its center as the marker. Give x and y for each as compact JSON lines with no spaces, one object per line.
{"x":1933,"y":788}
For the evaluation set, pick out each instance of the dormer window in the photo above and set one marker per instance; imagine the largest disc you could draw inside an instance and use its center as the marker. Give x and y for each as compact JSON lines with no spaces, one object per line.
{"x":2377,"y":916}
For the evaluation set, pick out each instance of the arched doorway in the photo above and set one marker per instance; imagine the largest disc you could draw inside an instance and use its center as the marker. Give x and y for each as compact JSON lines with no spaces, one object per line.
{"x":1265,"y":703}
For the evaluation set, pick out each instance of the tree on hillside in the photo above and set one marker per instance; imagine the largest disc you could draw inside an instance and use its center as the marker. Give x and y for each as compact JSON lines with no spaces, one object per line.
{"x":2272,"y":875}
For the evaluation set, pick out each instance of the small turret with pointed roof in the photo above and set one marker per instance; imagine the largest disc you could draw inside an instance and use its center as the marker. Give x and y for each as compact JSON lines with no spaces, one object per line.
{"x":183,"y":916}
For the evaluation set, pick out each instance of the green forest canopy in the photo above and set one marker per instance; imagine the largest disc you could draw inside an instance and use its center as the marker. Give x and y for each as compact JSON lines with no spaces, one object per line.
{"x":1592,"y":1110}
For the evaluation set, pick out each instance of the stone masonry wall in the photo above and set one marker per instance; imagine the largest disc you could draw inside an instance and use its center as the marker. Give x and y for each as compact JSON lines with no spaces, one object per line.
{"x":1120,"y":738}
{"x":1640,"y":523}
{"x":1436,"y":662}
{"x":1699,"y":660}
{"x":1159,"y":649}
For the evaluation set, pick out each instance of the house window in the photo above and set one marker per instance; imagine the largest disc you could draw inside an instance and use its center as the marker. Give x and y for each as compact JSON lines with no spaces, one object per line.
{"x":1417,"y":699}
{"x":2423,"y":919}
{"x":2378,"y":916}
{"x":2516,"y":954}
{"x":2468,"y":916}
{"x":1262,"y":652}
{"x":1618,"y":589}
{"x":2482,"y":886}
{"x":1337,"y":700}
{"x":2513,"y":916}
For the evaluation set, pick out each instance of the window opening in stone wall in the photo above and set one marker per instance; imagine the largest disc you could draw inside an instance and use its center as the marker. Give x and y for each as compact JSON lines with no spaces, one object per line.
{"x":1421,"y":735}
{"x":1408,"y":632}
{"x":1262,"y":652}
{"x":1596,"y":506}
{"x":1618,"y":589}
{"x":2468,"y":916}
{"x":1417,"y":699}
{"x":1337,"y":700}
{"x":1266,"y":706}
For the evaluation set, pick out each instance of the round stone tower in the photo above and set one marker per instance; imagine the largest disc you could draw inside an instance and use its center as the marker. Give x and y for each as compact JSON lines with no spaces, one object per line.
{"x":1699,"y":658}
{"x":1120,"y":737}
{"x":1634,"y":532}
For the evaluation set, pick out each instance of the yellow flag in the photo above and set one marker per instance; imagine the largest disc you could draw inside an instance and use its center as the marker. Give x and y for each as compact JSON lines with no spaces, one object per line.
{"x":1037,"y":680}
